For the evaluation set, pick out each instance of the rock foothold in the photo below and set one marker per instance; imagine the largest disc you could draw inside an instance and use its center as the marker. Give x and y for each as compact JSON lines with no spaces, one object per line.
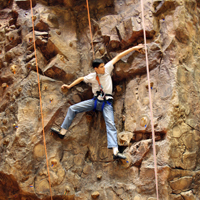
{"x":95,"y":195}
{"x":13,"y":69}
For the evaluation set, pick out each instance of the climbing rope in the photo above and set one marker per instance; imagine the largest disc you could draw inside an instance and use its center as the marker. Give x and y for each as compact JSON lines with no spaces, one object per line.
{"x":150,"y":100}
{"x":88,"y":11}
{"x":40,"y":98}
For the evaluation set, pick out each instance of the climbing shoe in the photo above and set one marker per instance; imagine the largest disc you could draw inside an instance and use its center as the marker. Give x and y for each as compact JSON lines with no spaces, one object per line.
{"x":119,"y":156}
{"x":57,"y":131}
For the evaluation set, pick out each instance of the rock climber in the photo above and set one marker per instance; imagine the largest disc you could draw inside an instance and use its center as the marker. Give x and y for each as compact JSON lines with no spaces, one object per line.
{"x":103,"y":101}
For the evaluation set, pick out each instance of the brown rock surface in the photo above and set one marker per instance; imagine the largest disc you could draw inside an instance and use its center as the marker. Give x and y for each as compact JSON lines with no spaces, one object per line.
{"x":81,"y":164}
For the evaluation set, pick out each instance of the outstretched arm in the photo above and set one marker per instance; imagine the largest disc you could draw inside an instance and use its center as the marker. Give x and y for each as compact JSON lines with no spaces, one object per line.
{"x":77,"y":81}
{"x":122,"y":54}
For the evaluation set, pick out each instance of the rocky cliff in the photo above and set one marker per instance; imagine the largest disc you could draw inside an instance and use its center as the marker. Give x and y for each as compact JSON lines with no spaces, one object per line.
{"x":81,"y":166}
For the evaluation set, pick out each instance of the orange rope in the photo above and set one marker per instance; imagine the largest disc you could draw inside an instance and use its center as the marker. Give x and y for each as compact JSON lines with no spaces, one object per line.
{"x":90,"y":27}
{"x":40,"y":98}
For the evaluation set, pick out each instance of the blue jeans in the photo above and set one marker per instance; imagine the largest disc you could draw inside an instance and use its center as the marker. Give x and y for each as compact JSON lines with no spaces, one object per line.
{"x":108,"y":115}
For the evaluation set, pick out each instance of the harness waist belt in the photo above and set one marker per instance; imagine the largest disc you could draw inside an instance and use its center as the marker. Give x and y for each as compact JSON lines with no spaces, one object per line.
{"x":109,"y":101}
{"x":99,"y":93}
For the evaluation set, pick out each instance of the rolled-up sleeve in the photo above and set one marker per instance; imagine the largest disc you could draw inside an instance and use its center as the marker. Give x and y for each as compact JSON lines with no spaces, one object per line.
{"x":109,"y":67}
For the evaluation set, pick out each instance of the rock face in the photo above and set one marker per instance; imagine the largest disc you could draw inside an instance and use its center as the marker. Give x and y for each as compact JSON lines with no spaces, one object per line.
{"x":80,"y":165}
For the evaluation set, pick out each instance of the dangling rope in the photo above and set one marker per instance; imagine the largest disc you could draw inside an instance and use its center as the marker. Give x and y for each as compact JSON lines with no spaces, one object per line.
{"x":90,"y":27}
{"x":40,"y":98}
{"x":150,"y":100}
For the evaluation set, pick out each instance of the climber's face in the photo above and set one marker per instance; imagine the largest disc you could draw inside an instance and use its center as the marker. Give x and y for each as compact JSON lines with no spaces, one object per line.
{"x":100,"y":69}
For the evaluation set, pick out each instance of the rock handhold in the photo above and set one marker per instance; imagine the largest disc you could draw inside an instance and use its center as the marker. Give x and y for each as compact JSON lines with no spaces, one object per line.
{"x":124,"y":138}
{"x":4,"y":85}
{"x":13,"y":69}
{"x":67,"y":189}
{"x":95,"y":195}
{"x":144,"y":121}
{"x":126,"y":162}
{"x":99,"y":176}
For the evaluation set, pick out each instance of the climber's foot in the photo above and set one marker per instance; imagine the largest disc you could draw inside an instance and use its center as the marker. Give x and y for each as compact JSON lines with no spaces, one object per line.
{"x":57,"y":131}
{"x":119,"y":156}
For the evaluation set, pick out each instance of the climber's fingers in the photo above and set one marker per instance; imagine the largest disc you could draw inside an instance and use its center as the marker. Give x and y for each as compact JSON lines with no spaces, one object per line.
{"x":65,"y":87}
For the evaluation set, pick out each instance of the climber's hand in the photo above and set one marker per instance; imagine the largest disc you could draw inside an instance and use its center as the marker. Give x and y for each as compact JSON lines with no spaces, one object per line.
{"x":65,"y":87}
{"x":140,"y":46}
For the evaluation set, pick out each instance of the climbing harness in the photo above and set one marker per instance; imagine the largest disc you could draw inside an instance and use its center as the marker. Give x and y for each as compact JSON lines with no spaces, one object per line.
{"x":40,"y":99}
{"x":101,"y":103}
{"x":103,"y":95}
{"x":150,"y":100}
{"x":101,"y":87}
